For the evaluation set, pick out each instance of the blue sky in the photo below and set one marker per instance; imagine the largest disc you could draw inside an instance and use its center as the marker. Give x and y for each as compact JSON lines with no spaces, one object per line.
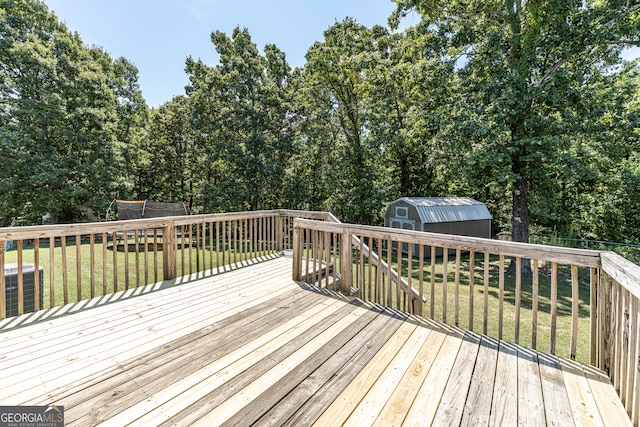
{"x":158,"y":35}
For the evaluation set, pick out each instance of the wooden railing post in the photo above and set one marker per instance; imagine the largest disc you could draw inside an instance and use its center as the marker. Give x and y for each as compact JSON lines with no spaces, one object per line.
{"x":169,"y":250}
{"x":346,"y":261}
{"x":297,"y":253}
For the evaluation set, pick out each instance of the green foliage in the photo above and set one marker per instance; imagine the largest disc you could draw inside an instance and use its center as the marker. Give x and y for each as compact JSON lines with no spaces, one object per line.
{"x":531,"y":92}
{"x":239,"y":109}
{"x":173,"y":168}
{"x":526,"y":106}
{"x":59,"y":118}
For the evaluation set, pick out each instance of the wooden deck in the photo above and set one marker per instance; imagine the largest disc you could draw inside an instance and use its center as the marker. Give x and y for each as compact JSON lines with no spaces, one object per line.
{"x":250,"y":346}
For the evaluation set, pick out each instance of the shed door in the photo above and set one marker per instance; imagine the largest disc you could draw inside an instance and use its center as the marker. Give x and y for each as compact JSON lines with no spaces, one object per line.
{"x":405,"y":224}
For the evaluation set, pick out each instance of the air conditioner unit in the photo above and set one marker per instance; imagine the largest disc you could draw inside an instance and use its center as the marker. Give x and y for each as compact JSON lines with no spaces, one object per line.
{"x":28,"y":294}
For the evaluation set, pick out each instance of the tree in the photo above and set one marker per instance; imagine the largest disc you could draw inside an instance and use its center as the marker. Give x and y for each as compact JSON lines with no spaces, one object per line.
{"x":174,"y":158}
{"x":527,"y":66}
{"x":335,"y":77}
{"x":57,"y":116}
{"x":132,"y":113}
{"x":239,"y":111}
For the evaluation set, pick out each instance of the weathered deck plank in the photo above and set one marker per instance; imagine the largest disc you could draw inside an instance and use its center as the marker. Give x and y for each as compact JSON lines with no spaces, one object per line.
{"x":401,"y":400}
{"x":477,"y":409}
{"x":250,"y":346}
{"x":580,"y":396}
{"x":504,"y":406}
{"x":530,"y":399}
{"x":556,"y":401}
{"x":357,"y":352}
{"x":455,"y":395}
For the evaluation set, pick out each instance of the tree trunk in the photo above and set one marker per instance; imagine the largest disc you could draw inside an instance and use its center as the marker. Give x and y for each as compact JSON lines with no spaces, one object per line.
{"x":520,"y":222}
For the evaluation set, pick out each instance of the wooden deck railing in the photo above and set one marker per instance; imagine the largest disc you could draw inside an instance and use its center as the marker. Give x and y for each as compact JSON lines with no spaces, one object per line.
{"x":82,"y":261}
{"x":575,"y":303}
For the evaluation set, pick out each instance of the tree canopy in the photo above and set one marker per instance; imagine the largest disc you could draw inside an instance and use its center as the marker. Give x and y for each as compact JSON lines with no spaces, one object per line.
{"x":524,"y":105}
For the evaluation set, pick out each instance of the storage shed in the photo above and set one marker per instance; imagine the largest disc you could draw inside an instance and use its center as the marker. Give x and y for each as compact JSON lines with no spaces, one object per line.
{"x":448,"y":215}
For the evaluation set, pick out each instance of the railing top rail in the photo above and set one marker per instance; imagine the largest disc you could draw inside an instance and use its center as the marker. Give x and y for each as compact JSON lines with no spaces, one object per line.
{"x":622,"y":271}
{"x":580,"y":257}
{"x":59,"y":230}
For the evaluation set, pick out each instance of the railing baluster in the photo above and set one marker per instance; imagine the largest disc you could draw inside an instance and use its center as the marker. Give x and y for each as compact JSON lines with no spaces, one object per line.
{"x":52,"y":270}
{"x":253,"y":236}
{"x":186,"y":237}
{"x":407,"y":295}
{"x":36,"y":275}
{"x":308,"y":252}
{"x":327,"y":265}
{"x":485,"y":324}
{"x":518,"y":299}
{"x":114,"y":246}
{"x":457,"y":288}
{"x":336,"y":261}
{"x":212,"y":247}
{"x":389,"y":281}
{"x":369,"y":268}
{"x":633,"y":395}
{"x":421,"y":279}
{"x":126,"y":259}
{"x":146,"y":256}
{"x":379,"y":277}
{"x":575,"y":308}
{"x":534,"y":304}
{"x":78,"y":268}
{"x":554,"y":306}
{"x":593,"y":316}
{"x":263,"y":236}
{"x":433,"y":283}
{"x":137,"y":248}
{"x":472,"y":274}
{"x":233,"y":233}
{"x":155,"y":255}
{"x":501,"y":296}
{"x":92,"y":263}
{"x":20,"y":279}
{"x":618,"y":331}
{"x":218,"y":245}
{"x":242,"y":236}
{"x":399,"y":270}
{"x":624,"y":347}
{"x":65,"y":282}
{"x":631,"y":359}
{"x":314,"y":257}
{"x":198,"y":249}
{"x":224,"y":242}
{"x":445,"y":280}
{"x":105,"y":241}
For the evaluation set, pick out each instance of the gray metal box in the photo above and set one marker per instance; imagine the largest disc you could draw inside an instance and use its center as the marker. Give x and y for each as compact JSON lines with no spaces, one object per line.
{"x":28,"y":295}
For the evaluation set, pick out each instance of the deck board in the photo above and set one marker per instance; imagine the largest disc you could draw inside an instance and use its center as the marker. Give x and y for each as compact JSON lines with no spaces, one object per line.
{"x":477,"y":409}
{"x":248,"y":346}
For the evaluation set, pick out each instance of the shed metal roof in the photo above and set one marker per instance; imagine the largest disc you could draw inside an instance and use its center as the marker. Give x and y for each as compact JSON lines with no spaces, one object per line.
{"x":448,"y":209}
